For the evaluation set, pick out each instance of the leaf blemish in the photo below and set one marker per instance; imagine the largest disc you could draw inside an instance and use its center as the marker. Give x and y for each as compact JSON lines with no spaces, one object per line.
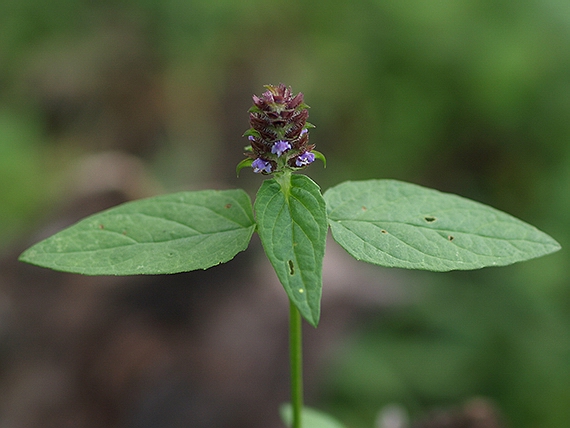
{"x":451,"y":237}
{"x":101,"y":227}
{"x":363,"y":208}
{"x":384,"y":231}
{"x":430,"y":219}
{"x":291,"y":267}
{"x":228,"y":206}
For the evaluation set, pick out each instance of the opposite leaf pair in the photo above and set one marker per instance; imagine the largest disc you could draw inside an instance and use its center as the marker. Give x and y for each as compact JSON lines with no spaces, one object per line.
{"x":385,"y":222}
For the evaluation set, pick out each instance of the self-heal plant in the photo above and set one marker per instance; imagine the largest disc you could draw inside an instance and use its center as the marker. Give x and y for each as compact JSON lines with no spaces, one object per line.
{"x":385,"y":222}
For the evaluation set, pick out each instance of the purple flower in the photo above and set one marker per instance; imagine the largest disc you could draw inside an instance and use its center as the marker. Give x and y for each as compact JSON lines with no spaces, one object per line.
{"x":260,"y":165}
{"x":251,"y":138}
{"x":305,"y":159}
{"x":280,"y":147}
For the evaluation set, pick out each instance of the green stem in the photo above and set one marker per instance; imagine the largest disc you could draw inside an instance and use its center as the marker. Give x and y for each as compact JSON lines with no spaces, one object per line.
{"x":296,"y":360}
{"x":284,"y":180}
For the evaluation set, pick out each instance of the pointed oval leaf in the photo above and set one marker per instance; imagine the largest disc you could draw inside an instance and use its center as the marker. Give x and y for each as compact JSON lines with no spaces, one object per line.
{"x":396,"y":224}
{"x":292,"y":226}
{"x":166,"y":234}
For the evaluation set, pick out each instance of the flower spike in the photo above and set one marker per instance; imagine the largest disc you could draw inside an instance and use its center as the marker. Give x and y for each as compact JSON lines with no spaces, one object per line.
{"x":279,"y":133}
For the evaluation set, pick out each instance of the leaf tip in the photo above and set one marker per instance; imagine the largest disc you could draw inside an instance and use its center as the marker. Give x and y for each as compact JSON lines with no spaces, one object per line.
{"x":27,"y":256}
{"x":313,"y":317}
{"x":243,"y":164}
{"x":320,"y":156}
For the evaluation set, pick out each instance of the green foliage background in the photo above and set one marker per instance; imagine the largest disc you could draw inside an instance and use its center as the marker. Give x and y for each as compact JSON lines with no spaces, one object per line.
{"x":471,"y":97}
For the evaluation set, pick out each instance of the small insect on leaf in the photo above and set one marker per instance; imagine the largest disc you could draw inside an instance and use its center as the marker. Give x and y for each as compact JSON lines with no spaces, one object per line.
{"x":430,"y":219}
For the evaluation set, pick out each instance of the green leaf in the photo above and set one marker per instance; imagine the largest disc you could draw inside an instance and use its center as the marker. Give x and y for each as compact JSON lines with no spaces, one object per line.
{"x":292,"y":225}
{"x":396,"y":224}
{"x":310,"y":418}
{"x":320,"y":156}
{"x":243,"y":164}
{"x":165,"y":234}
{"x":252,"y":132}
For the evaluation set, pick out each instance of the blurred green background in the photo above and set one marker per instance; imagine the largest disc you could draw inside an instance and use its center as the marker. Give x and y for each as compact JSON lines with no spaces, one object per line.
{"x":467,"y":96}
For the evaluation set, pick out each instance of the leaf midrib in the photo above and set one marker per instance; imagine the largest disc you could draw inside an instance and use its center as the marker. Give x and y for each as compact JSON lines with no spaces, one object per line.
{"x":419,"y":226}
{"x":204,"y":236}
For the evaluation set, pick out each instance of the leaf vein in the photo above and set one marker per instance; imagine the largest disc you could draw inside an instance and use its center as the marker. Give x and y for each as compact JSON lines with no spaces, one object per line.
{"x":203,"y":237}
{"x":374,"y":223}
